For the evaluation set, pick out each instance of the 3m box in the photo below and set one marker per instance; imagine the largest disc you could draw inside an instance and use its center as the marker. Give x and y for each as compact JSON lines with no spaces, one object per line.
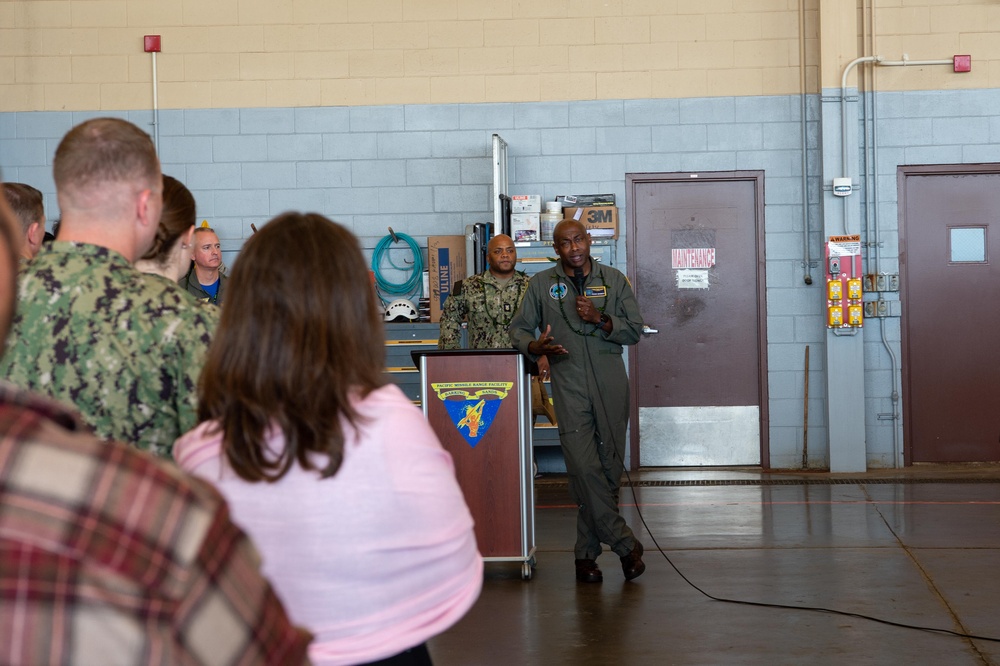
{"x":446,"y":266}
{"x":526,"y":203}
{"x":525,"y":226}
{"x":600,"y":221}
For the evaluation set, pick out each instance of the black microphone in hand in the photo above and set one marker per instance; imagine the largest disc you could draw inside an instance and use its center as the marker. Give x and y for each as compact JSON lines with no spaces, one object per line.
{"x":578,"y":280}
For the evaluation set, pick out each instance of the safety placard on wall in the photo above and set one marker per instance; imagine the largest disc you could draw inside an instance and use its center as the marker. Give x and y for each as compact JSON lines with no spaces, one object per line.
{"x":692,"y":257}
{"x":844,"y":305}
{"x":845,"y":246}
{"x":691,"y":266}
{"x":688,"y":278}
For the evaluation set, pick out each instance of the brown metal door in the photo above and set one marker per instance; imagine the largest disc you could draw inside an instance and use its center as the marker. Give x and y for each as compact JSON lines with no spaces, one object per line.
{"x":696,"y":254}
{"x":949,"y":252}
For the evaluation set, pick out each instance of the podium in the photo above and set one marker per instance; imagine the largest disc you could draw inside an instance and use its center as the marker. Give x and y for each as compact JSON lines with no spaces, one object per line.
{"x":478,"y":402}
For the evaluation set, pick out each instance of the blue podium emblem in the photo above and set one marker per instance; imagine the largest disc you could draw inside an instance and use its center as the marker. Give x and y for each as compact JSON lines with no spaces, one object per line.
{"x":472,"y":406}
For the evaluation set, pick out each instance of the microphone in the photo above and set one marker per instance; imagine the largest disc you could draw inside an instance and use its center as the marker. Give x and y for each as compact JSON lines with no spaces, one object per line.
{"x":578,"y":280}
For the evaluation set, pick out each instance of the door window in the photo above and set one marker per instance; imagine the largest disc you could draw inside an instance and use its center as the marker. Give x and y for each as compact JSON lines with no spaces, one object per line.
{"x":967,"y":245}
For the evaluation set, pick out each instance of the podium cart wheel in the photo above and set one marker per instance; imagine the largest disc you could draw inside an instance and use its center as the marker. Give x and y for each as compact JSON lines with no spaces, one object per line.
{"x":526,"y":571}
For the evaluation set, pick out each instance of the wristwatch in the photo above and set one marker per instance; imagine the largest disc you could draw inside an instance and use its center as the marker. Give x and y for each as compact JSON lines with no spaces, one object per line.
{"x":604,"y":319}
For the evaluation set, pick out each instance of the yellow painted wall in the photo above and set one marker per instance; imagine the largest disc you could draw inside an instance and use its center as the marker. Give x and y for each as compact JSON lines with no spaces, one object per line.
{"x":933,"y":30}
{"x":87,"y":54}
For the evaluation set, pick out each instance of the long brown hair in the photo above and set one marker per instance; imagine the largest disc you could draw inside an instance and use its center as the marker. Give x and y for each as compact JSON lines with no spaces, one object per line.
{"x":300,"y":335}
{"x":10,"y":241}
{"x":177,"y":217}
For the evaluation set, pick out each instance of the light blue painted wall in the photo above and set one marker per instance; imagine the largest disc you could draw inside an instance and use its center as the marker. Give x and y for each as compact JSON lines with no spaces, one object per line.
{"x":910,"y":128}
{"x":427,"y":170}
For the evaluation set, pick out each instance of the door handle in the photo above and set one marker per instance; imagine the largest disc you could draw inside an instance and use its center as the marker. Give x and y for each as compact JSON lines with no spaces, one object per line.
{"x":648,"y":330}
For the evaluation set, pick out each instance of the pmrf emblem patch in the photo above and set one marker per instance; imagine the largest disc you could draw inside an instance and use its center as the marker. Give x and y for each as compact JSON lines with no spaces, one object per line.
{"x":472,"y":406}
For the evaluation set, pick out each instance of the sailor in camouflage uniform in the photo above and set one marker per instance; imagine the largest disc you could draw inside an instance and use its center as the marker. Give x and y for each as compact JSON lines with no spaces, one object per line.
{"x":487,"y":301}
{"x":90,"y":331}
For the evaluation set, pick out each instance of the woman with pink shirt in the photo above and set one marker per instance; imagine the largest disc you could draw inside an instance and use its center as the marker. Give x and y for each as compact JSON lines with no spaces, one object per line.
{"x":335,"y":474}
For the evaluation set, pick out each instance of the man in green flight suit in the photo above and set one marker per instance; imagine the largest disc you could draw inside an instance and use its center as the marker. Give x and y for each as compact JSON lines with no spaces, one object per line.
{"x":586,"y":313}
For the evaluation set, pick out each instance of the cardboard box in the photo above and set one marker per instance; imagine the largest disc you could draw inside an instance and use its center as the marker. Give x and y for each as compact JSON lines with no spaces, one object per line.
{"x":600,"y":221}
{"x":526,"y":203}
{"x":446,"y":266}
{"x":525,"y":226}
{"x":586,"y":200}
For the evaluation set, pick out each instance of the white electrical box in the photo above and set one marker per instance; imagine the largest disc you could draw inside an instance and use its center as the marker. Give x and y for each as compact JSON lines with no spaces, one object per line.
{"x":842,"y":186}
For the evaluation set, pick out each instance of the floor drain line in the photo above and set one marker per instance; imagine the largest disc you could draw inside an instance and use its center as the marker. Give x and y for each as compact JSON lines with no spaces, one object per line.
{"x":784,"y":482}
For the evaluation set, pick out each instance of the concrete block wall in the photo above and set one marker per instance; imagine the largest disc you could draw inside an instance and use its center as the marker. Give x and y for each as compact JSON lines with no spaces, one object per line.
{"x":379,"y":113}
{"x":427,"y":170}
{"x":913,"y":127}
{"x":58,"y":55}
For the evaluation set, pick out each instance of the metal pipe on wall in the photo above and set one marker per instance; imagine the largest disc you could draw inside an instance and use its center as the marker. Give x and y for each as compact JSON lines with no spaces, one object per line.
{"x":873,"y":227}
{"x":906,"y":62}
{"x":156,"y":109}
{"x":843,"y":121}
{"x":803,"y":108}
{"x":866,"y":75}
{"x":897,"y":457}
{"x":880,"y":61}
{"x":805,"y":414}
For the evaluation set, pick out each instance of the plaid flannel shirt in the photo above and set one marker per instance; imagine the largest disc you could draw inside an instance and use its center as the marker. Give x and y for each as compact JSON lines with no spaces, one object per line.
{"x":109,"y":556}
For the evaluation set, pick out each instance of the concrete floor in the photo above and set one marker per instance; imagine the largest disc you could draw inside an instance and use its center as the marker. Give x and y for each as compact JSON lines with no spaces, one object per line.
{"x":916,"y":546}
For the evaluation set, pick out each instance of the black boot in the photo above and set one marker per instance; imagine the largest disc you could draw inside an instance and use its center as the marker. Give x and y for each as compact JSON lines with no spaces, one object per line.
{"x":632,"y":564}
{"x":587,"y":571}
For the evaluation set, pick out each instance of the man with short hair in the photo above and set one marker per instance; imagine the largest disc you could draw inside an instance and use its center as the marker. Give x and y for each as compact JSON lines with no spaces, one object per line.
{"x":90,"y":330}
{"x":586,"y":312}
{"x":26,"y":203}
{"x":487,"y":301}
{"x":108,"y":556}
{"x":204,"y":279}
